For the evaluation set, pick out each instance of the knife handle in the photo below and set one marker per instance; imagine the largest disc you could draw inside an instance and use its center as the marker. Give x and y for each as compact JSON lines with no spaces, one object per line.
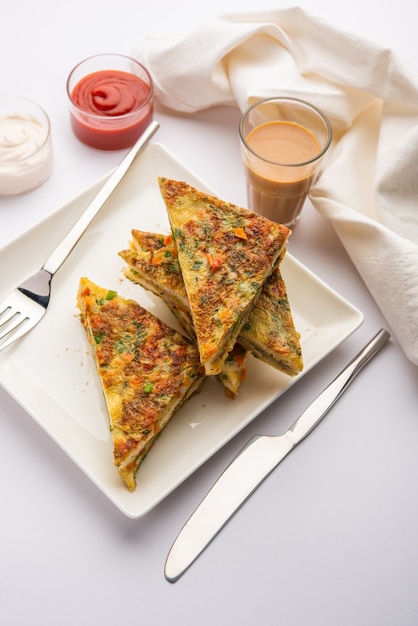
{"x":329,"y":396}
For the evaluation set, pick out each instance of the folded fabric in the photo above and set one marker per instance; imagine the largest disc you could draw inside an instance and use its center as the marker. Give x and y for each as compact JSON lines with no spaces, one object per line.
{"x":369,"y":190}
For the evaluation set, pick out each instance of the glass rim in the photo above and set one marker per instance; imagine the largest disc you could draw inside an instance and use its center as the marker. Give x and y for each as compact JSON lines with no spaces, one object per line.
{"x":97,"y":116}
{"x":46,"y":123}
{"x":287,"y":99}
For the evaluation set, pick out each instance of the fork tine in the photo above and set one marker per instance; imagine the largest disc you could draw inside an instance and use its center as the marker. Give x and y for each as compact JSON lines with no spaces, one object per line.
{"x":10,"y":319}
{"x":7,"y":314}
{"x":19,"y":313}
{"x":13,"y":323}
{"x":15,"y":327}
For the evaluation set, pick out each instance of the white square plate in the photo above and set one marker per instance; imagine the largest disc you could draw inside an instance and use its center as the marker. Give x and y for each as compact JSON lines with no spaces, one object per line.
{"x":51,"y":373}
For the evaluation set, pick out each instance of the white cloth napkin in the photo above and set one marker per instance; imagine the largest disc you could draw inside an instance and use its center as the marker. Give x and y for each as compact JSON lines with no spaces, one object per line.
{"x":369,"y":190}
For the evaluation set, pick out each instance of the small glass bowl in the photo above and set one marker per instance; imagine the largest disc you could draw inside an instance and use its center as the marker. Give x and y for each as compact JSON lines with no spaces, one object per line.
{"x":111,"y":101}
{"x":26,"y":158}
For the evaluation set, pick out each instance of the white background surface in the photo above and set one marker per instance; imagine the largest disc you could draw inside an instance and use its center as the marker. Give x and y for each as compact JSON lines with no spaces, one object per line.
{"x":330,"y":538}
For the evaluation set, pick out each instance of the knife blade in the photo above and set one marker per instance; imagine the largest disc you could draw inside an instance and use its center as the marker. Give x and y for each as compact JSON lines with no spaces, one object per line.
{"x":256,"y":460}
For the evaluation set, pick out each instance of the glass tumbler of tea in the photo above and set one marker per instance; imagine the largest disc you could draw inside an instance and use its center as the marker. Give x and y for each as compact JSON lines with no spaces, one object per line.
{"x":283,"y":145}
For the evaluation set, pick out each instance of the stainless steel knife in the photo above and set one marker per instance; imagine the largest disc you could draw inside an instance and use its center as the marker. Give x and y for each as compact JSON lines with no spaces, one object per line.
{"x":252,"y":465}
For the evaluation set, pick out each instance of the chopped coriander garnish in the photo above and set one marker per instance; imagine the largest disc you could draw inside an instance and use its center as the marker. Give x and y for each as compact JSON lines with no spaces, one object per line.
{"x":98,"y":337}
{"x":109,"y":296}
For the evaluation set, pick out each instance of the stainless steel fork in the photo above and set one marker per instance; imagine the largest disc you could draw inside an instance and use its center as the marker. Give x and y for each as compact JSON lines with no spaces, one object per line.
{"x":27,"y":304}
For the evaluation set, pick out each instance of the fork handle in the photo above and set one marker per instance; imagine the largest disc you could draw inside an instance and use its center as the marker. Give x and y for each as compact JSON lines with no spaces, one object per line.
{"x":61,"y":252}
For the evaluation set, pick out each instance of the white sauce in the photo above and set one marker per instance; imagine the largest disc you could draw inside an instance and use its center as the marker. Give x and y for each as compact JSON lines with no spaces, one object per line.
{"x":25,"y":153}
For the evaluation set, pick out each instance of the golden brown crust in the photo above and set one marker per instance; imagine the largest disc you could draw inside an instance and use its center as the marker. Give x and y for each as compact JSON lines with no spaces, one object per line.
{"x":269,"y":331}
{"x":158,"y":254}
{"x":146,"y":369}
{"x":152,"y":261}
{"x":225,"y":253}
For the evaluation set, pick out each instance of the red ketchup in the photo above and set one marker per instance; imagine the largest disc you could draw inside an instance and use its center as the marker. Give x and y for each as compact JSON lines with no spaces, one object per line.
{"x":110,"y":109}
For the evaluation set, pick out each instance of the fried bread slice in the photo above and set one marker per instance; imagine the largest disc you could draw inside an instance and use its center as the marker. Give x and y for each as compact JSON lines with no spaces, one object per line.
{"x":146,"y":370}
{"x":152,"y":262}
{"x":225,"y":253}
{"x":269,"y":332}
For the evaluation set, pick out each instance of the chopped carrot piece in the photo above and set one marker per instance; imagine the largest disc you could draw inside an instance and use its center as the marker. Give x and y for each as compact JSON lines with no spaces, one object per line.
{"x":240,"y":232}
{"x":215,"y":262}
{"x":158,"y":257}
{"x":223,"y":314}
{"x":128,"y":357}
